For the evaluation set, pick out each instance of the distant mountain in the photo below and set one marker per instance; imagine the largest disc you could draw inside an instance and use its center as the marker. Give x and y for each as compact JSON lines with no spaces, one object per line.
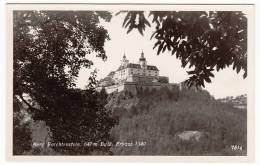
{"x":237,"y":101}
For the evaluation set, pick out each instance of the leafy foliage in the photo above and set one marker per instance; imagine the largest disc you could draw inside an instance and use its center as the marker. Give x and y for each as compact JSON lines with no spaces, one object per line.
{"x":83,"y":119}
{"x":50,"y":47}
{"x":205,"y":41}
{"x":135,"y":19}
{"x":22,"y":139}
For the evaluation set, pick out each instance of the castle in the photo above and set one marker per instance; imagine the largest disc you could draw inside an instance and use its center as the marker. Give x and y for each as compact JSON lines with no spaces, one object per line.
{"x":130,"y":76}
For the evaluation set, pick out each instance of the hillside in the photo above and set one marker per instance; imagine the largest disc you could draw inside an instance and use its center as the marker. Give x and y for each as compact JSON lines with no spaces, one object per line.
{"x":238,"y":101}
{"x":173,"y":122}
{"x":168,"y":122}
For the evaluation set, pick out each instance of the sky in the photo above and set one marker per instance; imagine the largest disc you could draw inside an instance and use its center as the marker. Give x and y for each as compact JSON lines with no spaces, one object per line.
{"x":225,"y":83}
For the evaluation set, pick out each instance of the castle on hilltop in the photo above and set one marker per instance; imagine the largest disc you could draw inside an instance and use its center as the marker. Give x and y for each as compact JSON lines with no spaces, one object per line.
{"x":130,"y":76}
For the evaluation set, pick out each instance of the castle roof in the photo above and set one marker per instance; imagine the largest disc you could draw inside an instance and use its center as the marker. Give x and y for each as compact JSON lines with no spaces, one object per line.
{"x":137,"y":66}
{"x":152,"y":67}
{"x":131,"y":65}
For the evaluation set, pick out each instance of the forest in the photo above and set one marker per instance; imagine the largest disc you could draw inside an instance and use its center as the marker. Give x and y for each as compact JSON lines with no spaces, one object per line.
{"x":159,"y":116}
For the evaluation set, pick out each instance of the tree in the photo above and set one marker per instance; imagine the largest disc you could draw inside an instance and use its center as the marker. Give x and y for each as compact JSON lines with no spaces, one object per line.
{"x":205,"y":41}
{"x":50,"y":47}
{"x":22,"y":139}
{"x":83,"y":119}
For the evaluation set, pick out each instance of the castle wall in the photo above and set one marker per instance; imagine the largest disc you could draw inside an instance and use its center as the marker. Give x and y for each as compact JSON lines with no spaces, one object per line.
{"x":140,"y":79}
{"x":133,"y":87}
{"x":121,"y":87}
{"x":151,"y":86}
{"x":113,"y":88}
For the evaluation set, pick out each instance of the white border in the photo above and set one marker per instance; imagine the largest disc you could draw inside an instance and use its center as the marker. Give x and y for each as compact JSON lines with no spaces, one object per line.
{"x":248,"y":9}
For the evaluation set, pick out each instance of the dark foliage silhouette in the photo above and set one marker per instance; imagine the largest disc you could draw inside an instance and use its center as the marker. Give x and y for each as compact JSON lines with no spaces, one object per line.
{"x":22,"y":139}
{"x":203,"y":41}
{"x":50,"y":47}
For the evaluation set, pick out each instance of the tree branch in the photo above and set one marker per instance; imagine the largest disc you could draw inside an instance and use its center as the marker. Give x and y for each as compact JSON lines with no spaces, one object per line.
{"x":28,"y":104}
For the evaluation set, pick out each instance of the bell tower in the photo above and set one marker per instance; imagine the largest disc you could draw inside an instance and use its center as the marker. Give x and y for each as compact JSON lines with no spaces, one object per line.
{"x":142,"y":60}
{"x":124,"y":61}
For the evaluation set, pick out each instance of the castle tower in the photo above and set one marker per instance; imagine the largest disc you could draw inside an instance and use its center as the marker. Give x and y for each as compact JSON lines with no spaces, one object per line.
{"x":124,"y":61}
{"x":142,"y":60}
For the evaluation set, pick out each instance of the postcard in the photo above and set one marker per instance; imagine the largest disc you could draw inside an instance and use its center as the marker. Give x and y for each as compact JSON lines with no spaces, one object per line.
{"x":130,"y":82}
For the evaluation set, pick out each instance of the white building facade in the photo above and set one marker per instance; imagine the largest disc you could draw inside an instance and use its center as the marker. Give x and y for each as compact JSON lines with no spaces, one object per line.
{"x":132,"y":72}
{"x":127,"y":69}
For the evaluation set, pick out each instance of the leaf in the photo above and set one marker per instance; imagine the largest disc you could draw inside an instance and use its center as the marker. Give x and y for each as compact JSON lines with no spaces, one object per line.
{"x":234,"y":66}
{"x":201,"y":83}
{"x":153,"y":35}
{"x":211,"y":74}
{"x":140,"y":30}
{"x":191,"y":72}
{"x":184,"y":63}
{"x":127,"y":24}
{"x":160,"y":48}
{"x":173,"y":51}
{"x":156,"y":44}
{"x":177,"y":54}
{"x":164,"y":48}
{"x":218,"y":67}
{"x":130,"y":29}
{"x":127,"y":18}
{"x":146,"y":22}
{"x":169,"y":47}
{"x":238,"y":68}
{"x":207,"y":79}
{"x":245,"y":75}
{"x":123,"y":11}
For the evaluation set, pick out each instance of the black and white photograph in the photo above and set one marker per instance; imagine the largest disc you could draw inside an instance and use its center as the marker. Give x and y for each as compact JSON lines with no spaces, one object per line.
{"x":130,"y":80}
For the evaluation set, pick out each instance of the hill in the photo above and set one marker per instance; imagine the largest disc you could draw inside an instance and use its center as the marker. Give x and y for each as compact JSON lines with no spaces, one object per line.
{"x":165,"y":122}
{"x":238,"y":101}
{"x":174,"y":122}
